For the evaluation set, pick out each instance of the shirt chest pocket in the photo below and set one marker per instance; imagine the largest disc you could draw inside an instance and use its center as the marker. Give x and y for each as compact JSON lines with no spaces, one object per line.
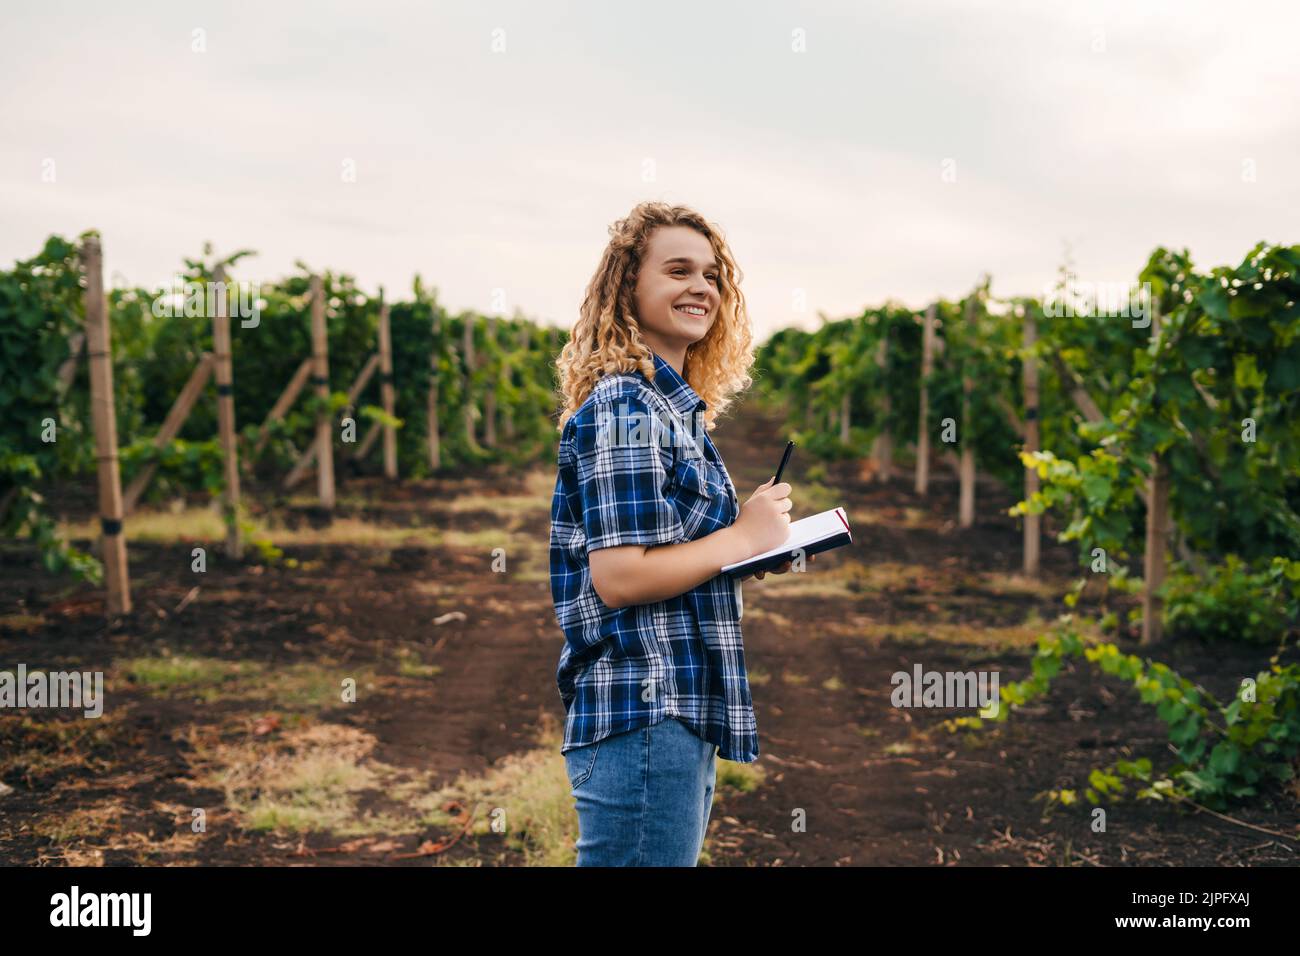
{"x":701,"y":498}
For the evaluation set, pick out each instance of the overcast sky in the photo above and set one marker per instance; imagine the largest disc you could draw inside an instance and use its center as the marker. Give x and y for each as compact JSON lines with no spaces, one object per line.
{"x":1106,"y":127}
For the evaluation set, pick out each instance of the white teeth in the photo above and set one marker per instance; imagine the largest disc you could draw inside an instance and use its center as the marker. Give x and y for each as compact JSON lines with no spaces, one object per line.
{"x":691,"y":309}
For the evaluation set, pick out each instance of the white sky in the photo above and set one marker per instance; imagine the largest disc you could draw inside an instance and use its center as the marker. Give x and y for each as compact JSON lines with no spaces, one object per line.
{"x":1110,"y":127}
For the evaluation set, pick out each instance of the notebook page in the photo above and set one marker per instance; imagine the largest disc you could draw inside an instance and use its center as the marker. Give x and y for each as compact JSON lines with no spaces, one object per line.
{"x":804,"y":532}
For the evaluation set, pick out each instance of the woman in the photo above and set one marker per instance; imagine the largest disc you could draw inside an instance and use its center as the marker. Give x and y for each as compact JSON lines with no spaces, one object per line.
{"x":652,"y":674}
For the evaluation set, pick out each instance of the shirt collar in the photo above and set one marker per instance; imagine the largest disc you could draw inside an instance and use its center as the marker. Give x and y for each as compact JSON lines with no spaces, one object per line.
{"x":675,"y":389}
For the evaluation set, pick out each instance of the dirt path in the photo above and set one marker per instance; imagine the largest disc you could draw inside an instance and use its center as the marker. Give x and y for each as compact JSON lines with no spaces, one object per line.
{"x":874,"y":784}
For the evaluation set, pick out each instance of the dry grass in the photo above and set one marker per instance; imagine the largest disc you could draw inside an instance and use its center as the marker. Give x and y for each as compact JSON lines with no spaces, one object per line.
{"x":32,"y":748}
{"x":854,"y":578}
{"x":95,"y":821}
{"x":1020,"y":636}
{"x":307,"y":686}
{"x":304,"y":779}
{"x":22,"y":623}
{"x":524,"y":800}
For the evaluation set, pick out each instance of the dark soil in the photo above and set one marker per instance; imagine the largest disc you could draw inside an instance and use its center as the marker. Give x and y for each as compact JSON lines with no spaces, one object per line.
{"x":876,"y":784}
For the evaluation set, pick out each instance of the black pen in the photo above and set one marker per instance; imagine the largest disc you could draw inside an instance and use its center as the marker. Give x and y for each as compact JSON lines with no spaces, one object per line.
{"x":784,"y":458}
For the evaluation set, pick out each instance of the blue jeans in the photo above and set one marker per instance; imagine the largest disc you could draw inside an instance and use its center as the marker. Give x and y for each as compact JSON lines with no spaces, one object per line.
{"x":643,"y":796}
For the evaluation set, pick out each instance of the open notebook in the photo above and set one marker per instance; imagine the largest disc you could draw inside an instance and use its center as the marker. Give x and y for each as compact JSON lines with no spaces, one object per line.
{"x":814,"y":534}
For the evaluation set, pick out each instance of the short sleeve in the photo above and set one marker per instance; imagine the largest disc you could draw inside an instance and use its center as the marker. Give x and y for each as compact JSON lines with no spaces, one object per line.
{"x":618,"y":454}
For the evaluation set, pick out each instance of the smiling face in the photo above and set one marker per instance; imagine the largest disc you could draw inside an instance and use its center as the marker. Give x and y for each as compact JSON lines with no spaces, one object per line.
{"x":677,"y":291}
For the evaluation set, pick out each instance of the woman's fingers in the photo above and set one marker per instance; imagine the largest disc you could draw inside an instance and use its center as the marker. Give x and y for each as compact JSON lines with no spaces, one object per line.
{"x":759,"y":575}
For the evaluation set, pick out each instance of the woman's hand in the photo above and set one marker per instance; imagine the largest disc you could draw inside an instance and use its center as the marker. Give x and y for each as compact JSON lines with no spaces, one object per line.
{"x":764,"y":520}
{"x":781,"y":570}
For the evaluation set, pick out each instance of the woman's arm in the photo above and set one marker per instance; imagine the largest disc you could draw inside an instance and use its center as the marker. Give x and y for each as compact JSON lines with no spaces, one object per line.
{"x":636,"y":574}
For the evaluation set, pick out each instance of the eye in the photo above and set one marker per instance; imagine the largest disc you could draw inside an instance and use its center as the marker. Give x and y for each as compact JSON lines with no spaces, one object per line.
{"x":713,"y":276}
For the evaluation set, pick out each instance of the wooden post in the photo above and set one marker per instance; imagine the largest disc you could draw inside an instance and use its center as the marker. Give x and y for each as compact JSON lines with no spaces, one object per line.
{"x":522,"y":348}
{"x":354,"y":392}
{"x":321,"y":377}
{"x":490,"y":399}
{"x":68,"y":370}
{"x":1092,"y":413}
{"x":171,"y":426}
{"x":1154,"y":562}
{"x":99,"y":350}
{"x":467,"y":347}
{"x":966,"y":498}
{"x":284,"y":402}
{"x":883,"y":449}
{"x":226,"y":417}
{"x":305,"y":461}
{"x":1078,"y":394}
{"x":923,"y":430}
{"x":368,"y":442}
{"x":844,"y":418}
{"x":1154,"y":566}
{"x":386,"y":388}
{"x":431,"y":405}
{"x":1033,"y":529}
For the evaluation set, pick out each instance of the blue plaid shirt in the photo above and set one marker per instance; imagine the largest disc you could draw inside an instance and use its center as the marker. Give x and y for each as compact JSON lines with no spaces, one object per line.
{"x":636,"y":466}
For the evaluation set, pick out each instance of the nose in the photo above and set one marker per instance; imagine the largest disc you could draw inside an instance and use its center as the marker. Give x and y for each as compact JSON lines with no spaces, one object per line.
{"x":700,"y":286}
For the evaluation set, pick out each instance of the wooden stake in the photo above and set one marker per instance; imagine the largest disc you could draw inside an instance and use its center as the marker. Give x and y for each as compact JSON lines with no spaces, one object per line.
{"x":966,"y":496}
{"x":308,"y":456}
{"x":1010,"y":415}
{"x":354,"y":393}
{"x":431,"y":405}
{"x":300,"y":467}
{"x":467,"y":349}
{"x":1033,"y":526}
{"x":469,"y":410}
{"x":171,"y":427}
{"x":1092,"y":413}
{"x":490,"y":399}
{"x":367,"y":442}
{"x":882,"y":450}
{"x":525,"y":339}
{"x":68,"y":370}
{"x":1078,"y":394}
{"x":358,"y":451}
{"x":100,"y":352}
{"x":321,"y":378}
{"x":923,"y":429}
{"x":284,"y":403}
{"x":387,"y":395}
{"x":1154,"y":561}
{"x":363,"y":378}
{"x":226,"y":418}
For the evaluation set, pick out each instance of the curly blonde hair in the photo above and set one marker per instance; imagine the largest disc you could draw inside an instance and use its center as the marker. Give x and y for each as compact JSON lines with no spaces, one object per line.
{"x":607,"y":339}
